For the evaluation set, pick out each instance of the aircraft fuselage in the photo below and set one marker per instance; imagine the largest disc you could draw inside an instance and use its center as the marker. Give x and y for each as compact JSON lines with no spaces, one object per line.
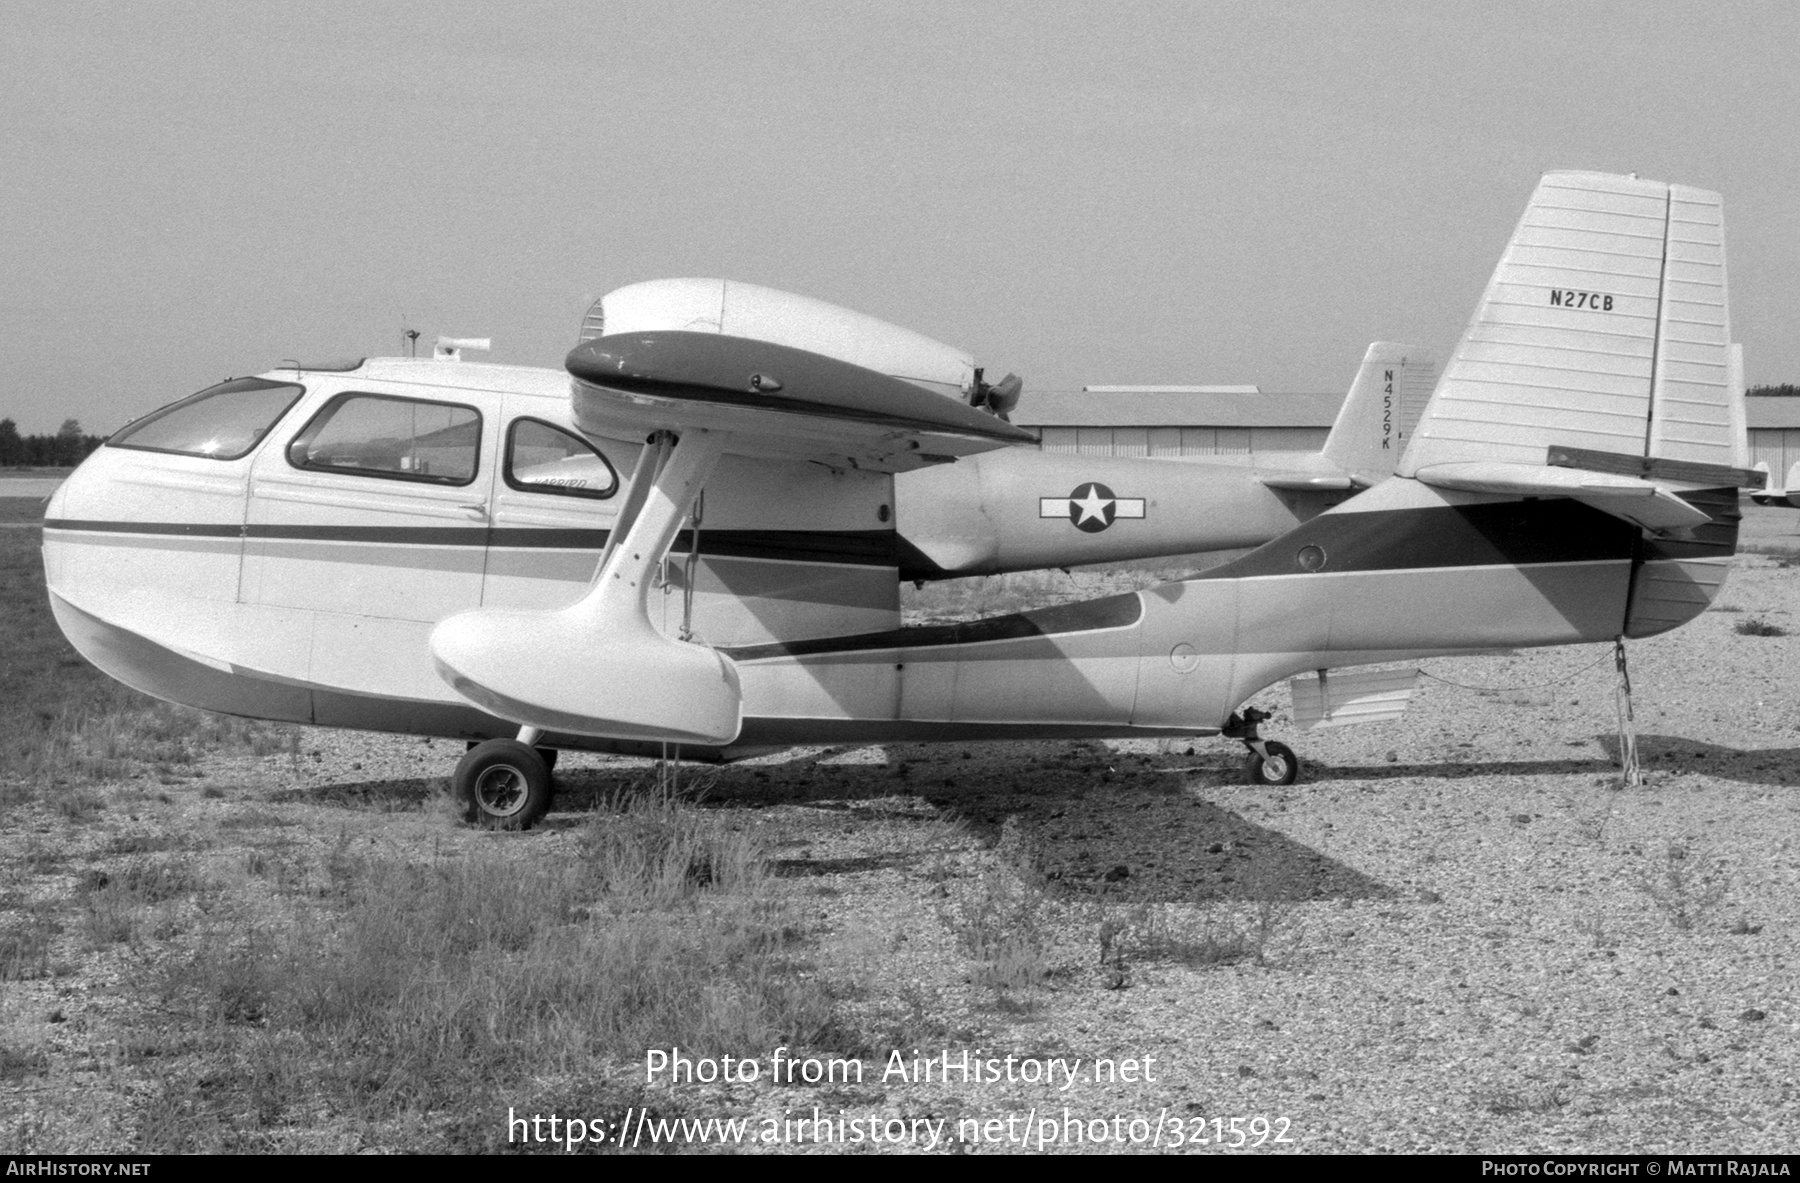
{"x":301,"y":579}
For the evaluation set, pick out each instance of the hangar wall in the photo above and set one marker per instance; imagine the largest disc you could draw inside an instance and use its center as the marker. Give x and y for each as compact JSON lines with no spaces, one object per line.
{"x":1177,"y":422}
{"x":1212,"y":422}
{"x":1183,"y":441}
{"x":1774,"y":425}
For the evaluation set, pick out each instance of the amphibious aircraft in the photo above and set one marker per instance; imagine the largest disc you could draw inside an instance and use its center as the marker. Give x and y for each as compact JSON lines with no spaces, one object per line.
{"x":695,"y":535}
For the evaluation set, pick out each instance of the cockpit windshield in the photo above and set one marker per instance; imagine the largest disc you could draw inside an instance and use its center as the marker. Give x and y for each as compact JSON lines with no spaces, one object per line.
{"x":222,"y":422}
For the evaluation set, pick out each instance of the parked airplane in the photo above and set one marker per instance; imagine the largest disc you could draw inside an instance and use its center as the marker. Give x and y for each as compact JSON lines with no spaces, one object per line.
{"x":452,"y":550}
{"x":1786,"y":494}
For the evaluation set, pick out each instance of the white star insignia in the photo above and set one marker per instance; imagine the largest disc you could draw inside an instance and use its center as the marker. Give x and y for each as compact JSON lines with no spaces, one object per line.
{"x":1093,"y":506}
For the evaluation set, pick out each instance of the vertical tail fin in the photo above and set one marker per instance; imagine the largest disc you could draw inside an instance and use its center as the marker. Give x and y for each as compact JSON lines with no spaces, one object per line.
{"x":1603,"y":330}
{"x":1385,"y":401}
{"x":1740,"y":419}
{"x":1767,"y":492}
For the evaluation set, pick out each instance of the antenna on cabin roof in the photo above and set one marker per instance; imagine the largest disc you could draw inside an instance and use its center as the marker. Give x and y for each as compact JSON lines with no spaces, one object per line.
{"x":412,"y":342}
{"x":450,"y":348}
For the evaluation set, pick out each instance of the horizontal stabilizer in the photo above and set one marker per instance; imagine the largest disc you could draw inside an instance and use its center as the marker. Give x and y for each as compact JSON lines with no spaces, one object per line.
{"x":1335,"y":699}
{"x":1636,"y":500}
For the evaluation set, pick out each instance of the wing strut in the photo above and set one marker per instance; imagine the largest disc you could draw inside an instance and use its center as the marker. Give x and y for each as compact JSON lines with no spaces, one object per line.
{"x":599,"y":666}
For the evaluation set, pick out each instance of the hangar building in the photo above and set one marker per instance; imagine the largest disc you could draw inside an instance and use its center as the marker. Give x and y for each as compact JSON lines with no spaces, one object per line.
{"x":1179,"y":421}
{"x":1774,"y":432}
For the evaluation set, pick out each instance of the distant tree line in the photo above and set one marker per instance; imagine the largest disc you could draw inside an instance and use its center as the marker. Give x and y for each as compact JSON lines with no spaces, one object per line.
{"x":67,"y":448}
{"x":1786,"y":390}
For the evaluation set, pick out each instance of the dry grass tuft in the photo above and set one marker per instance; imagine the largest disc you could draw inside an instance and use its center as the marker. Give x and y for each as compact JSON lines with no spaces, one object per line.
{"x":64,"y":722}
{"x":116,"y":905}
{"x":1146,"y":932}
{"x":1210,"y":933}
{"x":405,"y":989}
{"x":1512,"y":1102}
{"x":1001,"y":917}
{"x":999,"y":921}
{"x":25,"y":946}
{"x":1685,"y":885}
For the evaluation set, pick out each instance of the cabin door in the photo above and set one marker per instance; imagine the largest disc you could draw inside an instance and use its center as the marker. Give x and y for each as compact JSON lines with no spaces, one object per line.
{"x":367,"y":528}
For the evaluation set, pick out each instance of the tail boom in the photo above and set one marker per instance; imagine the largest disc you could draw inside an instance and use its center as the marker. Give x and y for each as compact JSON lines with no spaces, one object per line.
{"x":1401,"y":572}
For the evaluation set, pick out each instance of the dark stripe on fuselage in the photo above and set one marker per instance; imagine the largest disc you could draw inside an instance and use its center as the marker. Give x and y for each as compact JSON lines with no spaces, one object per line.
{"x":1519,"y":533}
{"x":1110,"y":612}
{"x":186,"y":529}
{"x":865,"y":548}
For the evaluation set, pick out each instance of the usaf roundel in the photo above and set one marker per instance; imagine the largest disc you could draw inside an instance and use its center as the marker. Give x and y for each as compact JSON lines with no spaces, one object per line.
{"x":1091,"y":507}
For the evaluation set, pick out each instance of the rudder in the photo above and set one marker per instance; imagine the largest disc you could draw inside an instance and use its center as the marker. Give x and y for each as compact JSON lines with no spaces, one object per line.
{"x":1603,"y":329}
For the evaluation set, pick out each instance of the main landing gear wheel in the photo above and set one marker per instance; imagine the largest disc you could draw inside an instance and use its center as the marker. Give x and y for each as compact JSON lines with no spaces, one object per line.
{"x":503,"y":785}
{"x":549,"y":754}
{"x":1279,"y":767}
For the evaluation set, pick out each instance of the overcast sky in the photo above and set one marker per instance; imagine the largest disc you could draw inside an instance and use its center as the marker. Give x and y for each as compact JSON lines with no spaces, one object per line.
{"x":1082,"y":192}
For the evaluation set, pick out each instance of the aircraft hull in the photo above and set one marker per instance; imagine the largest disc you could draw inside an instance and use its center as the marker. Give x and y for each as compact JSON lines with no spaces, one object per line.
{"x":1407,"y":572}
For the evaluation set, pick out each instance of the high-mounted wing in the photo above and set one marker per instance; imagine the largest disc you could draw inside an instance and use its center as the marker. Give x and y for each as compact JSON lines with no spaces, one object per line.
{"x":702,"y":368}
{"x":774,"y":400}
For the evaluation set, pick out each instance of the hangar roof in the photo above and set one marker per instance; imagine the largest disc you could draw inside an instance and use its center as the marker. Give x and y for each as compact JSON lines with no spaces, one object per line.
{"x":1082,"y":408}
{"x":1772,"y":412}
{"x":1213,"y":408}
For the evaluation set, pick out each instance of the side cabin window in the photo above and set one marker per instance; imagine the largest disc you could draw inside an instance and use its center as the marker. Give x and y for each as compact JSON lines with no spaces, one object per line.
{"x":383,"y":435}
{"x":222,"y":422}
{"x":541,"y":458}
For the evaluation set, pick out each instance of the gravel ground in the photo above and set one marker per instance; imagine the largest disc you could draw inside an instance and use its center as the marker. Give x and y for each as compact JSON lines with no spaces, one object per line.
{"x":1473,"y":938}
{"x":1457,"y":933}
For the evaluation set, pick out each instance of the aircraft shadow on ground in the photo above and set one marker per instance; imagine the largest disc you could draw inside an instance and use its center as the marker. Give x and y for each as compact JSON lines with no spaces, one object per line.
{"x":1676,"y":754}
{"x":1450,"y":769}
{"x":1656,"y":753}
{"x":409,"y":793}
{"x":1089,"y":821}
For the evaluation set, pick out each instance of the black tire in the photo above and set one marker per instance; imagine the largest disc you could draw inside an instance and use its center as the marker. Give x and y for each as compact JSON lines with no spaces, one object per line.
{"x":549,"y":754}
{"x":1281,"y":768}
{"x":503,"y":785}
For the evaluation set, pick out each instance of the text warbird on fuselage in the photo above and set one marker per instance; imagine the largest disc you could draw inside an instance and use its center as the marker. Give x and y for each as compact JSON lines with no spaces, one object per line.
{"x":696,"y":534}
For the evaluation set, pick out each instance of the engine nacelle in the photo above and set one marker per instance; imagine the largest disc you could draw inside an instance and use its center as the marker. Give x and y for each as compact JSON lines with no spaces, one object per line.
{"x":734,"y":309}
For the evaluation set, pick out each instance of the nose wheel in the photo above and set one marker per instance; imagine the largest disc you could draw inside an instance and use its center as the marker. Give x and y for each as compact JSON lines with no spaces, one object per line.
{"x":502,"y":785}
{"x":1270,"y":762}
